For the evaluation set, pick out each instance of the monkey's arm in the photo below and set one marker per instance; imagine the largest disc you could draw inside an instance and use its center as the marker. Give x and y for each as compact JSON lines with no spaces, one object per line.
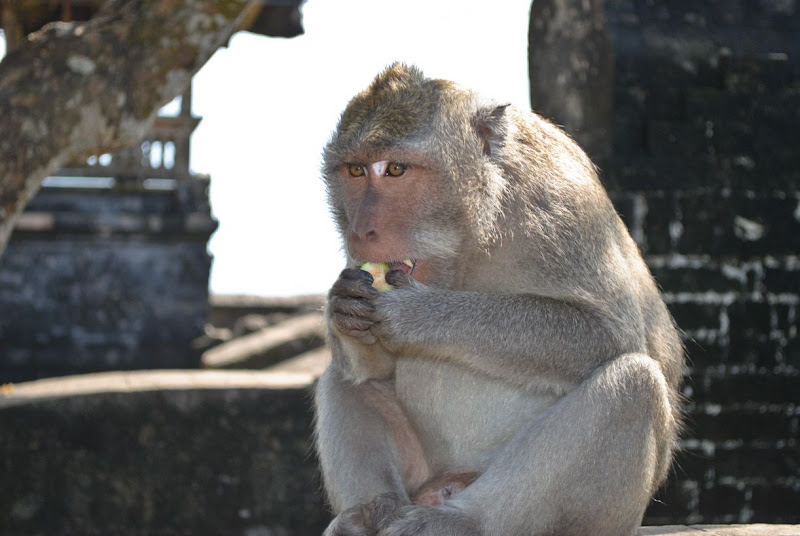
{"x":355,"y":443}
{"x":516,"y":337}
{"x":356,"y":352}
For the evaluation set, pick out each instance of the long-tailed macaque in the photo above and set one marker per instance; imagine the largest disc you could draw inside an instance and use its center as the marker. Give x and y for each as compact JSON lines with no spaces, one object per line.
{"x":524,"y":365}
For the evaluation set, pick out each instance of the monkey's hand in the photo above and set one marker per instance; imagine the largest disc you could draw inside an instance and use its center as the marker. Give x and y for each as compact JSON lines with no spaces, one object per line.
{"x":351,"y":305}
{"x":431,"y":521}
{"x":387,"y":326}
{"x":351,"y":316}
{"x":368,"y":518}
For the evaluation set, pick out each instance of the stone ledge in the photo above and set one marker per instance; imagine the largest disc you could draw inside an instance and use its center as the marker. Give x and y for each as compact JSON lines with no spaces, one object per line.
{"x":179,"y":452}
{"x":174,"y":452}
{"x":148,"y":380}
{"x":721,"y":530}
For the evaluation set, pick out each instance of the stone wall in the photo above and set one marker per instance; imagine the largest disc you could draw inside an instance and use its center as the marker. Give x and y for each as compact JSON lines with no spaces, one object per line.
{"x":705,"y":169}
{"x":160,"y":453}
{"x":105,"y":278}
{"x":165,"y":453}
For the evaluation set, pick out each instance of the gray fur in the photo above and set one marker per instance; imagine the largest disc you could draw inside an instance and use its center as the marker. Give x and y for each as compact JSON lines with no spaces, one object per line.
{"x":540,"y":354}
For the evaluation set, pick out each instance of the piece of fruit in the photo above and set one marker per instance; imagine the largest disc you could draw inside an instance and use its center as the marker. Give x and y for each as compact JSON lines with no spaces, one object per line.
{"x":378,"y":270}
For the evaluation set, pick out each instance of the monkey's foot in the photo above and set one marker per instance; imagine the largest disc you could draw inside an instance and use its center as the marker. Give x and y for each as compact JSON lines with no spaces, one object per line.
{"x":366,"y":519}
{"x":431,"y":521}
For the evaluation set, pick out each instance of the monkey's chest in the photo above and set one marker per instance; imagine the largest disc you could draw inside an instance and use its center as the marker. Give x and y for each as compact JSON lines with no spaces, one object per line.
{"x":464,"y":419}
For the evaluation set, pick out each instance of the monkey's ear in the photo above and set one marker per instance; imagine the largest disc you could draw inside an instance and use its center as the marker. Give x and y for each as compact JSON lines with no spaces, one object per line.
{"x":491,"y":123}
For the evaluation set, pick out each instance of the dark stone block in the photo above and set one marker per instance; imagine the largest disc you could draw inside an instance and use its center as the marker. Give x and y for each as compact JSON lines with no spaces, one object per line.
{"x":706,"y":354}
{"x":786,"y":316}
{"x":629,"y":135}
{"x":792,"y":352}
{"x":733,"y":137}
{"x":96,"y":202}
{"x":693,"y":464}
{"x":709,"y":104}
{"x":642,"y":174}
{"x":625,"y":207}
{"x":747,"y":172}
{"x":782,"y":106}
{"x":721,"y":500}
{"x":673,"y":503}
{"x":738,"y":226}
{"x":223,"y":461}
{"x":781,"y":226}
{"x":660,"y":214}
{"x":756,"y":74}
{"x":670,"y":139}
{"x":743,"y":424}
{"x":767,"y":388}
{"x":772,"y":14}
{"x":752,"y":348}
{"x":651,"y":67}
{"x":696,"y":280}
{"x":691,"y":316}
{"x":770,"y":463}
{"x":666,"y":103}
{"x":628,"y":125}
{"x":102,"y":303}
{"x":748,"y":317}
{"x":635,"y":174}
{"x":782,"y":280}
{"x":700,"y":14}
{"x":777,"y":502}
{"x":707,"y":226}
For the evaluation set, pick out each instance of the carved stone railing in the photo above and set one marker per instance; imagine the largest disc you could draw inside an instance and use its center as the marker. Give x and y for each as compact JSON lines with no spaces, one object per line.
{"x":162,"y":156}
{"x":108,"y":267}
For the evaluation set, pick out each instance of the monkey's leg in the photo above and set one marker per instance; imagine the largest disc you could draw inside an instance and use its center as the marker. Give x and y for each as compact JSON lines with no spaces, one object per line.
{"x":369,"y":452}
{"x":587,"y":465}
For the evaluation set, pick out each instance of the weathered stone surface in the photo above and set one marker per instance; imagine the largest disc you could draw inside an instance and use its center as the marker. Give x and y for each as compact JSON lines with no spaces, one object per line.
{"x":268,"y":345}
{"x":177,"y":452}
{"x":722,"y":530}
{"x":83,"y":303}
{"x":159,"y":453}
{"x":704,"y":169}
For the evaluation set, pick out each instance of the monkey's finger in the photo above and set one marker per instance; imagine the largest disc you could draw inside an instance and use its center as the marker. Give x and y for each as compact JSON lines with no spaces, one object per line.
{"x":354,"y":288}
{"x":355,"y":274}
{"x":346,"y":323}
{"x":398,"y":278}
{"x":352,"y":307}
{"x":362,"y":336}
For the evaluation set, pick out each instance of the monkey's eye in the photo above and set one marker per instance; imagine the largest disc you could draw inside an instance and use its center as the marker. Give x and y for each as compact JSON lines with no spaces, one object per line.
{"x":395,"y":169}
{"x":356,"y":170}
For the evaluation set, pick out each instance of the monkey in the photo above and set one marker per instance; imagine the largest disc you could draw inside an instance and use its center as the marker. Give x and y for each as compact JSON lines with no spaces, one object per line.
{"x":524,"y":344}
{"x":441,"y":488}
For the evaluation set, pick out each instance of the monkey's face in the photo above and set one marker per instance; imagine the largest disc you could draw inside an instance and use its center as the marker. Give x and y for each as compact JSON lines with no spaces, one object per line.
{"x":393,"y":213}
{"x":403,"y":170}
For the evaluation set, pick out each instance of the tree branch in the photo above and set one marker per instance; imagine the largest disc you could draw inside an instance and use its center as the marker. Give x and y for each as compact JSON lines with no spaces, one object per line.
{"x":73,"y":90}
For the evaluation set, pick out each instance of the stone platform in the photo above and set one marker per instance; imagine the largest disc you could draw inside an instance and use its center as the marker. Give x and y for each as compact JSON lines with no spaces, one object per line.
{"x":179,"y":452}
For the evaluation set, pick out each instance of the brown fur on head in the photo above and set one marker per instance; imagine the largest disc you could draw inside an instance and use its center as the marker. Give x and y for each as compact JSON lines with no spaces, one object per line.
{"x":457,"y":134}
{"x":396,"y":108}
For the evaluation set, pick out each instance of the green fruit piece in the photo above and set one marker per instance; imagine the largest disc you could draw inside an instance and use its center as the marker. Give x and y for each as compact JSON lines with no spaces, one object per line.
{"x":378,"y":270}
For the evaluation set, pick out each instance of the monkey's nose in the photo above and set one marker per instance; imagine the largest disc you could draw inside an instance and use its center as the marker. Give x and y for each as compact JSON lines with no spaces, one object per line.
{"x":369,"y":235}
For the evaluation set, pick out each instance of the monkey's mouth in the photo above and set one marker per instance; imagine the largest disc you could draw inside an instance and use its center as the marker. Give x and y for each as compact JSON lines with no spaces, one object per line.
{"x":406,"y":266}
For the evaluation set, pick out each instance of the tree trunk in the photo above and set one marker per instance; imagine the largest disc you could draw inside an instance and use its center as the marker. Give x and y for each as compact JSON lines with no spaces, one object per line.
{"x":571,"y":68}
{"x":74,"y":90}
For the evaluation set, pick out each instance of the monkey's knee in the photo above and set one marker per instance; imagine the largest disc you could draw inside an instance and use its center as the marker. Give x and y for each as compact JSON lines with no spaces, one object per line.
{"x":633,"y":378}
{"x":639,"y":405}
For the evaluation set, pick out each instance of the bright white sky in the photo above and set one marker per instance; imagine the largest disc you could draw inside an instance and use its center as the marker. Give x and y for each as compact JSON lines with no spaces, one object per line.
{"x":269,"y":105}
